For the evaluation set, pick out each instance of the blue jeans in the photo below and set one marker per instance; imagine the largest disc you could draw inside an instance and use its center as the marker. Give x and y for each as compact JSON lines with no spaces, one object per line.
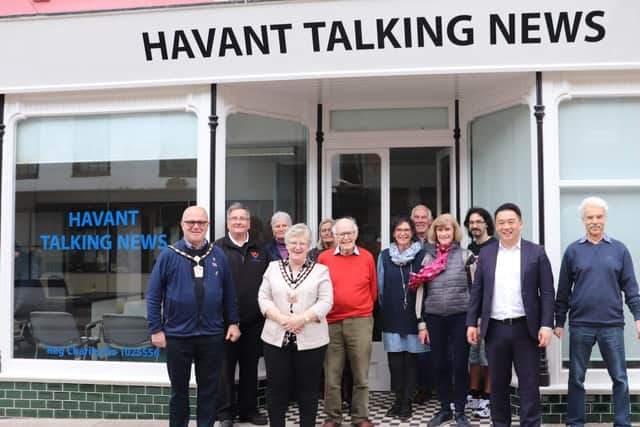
{"x":611,"y":343}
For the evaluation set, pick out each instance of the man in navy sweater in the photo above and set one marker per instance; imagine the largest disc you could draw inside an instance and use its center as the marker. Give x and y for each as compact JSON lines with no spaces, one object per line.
{"x":595,"y":271}
{"x":190,"y":300}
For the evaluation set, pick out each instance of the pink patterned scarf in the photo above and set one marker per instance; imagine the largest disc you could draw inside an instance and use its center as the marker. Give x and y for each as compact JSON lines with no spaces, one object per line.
{"x":430,"y":271}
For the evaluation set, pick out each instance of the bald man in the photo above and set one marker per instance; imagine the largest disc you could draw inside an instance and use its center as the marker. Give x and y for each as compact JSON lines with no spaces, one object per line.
{"x":190,"y":300}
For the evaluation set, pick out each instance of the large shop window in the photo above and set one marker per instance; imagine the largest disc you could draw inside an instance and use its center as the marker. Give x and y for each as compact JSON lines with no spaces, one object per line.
{"x":501,"y":162}
{"x":103,"y":197}
{"x":599,"y":152}
{"x":266,"y":169}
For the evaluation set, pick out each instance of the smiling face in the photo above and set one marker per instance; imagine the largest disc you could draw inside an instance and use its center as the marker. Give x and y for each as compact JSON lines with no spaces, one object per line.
{"x":346,"y":235}
{"x":279,"y":229}
{"x":326,"y":235}
{"x":595,"y":218}
{"x":422,"y":220}
{"x":238,"y":223}
{"x":508,"y":226}
{"x":445,"y":234}
{"x":298,"y":247}
{"x":195,"y":224}
{"x":402,"y":235}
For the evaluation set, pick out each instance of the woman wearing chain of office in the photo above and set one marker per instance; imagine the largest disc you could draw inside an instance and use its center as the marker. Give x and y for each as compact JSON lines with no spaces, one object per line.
{"x":295,"y":296}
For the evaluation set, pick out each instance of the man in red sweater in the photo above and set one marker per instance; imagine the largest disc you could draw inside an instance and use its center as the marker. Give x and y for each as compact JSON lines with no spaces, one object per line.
{"x":353,"y":274}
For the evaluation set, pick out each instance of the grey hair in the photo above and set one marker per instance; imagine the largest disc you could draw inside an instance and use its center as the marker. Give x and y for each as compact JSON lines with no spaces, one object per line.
{"x":237,"y":205}
{"x":592,"y":201}
{"x":281,"y":216}
{"x":348,"y":218}
{"x":429,"y":214}
{"x":298,"y":230}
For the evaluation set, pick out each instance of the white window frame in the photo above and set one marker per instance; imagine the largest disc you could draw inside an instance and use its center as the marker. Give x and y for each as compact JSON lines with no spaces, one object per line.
{"x":194,"y":99}
{"x":559,"y":87}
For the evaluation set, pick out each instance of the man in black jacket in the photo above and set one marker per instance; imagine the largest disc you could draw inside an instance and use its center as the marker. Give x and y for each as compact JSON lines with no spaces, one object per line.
{"x":248,"y":260}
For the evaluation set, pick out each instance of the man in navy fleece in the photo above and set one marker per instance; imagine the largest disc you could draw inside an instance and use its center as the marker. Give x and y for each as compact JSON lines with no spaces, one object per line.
{"x":595,"y":271}
{"x":190,"y":300}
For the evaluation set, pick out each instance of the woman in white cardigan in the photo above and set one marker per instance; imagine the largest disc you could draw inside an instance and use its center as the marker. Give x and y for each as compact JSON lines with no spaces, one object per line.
{"x":295,"y":296}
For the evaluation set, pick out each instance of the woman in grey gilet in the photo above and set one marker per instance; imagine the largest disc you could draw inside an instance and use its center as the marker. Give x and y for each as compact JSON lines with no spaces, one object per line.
{"x":441,"y":307}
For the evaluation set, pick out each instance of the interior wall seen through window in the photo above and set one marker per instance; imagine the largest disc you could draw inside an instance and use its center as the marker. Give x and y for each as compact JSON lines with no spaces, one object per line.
{"x":266,"y":169}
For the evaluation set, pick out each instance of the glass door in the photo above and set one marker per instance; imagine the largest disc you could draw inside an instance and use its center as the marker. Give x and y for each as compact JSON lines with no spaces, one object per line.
{"x":355,"y":189}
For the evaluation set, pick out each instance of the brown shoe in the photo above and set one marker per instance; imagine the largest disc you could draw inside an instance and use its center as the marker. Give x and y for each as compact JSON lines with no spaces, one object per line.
{"x":364,"y":423}
{"x":330,"y":423}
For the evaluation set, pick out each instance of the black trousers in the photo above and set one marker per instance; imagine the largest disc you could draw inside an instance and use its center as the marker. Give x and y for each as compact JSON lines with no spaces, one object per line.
{"x":205,"y":352}
{"x":509,"y":344}
{"x":402,"y":367}
{"x":450,"y":352}
{"x":245,"y":352}
{"x":292,"y":372}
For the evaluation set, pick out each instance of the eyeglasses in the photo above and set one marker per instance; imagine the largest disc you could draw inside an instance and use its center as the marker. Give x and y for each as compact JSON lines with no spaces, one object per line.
{"x":238,"y":218}
{"x":191,"y":224}
{"x":346,"y":234}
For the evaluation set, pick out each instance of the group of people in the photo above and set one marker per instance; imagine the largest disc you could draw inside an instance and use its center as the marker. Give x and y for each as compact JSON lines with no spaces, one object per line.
{"x":309,"y":310}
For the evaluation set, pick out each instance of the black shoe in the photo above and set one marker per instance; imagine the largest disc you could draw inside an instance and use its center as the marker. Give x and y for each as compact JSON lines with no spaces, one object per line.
{"x":440,"y":418}
{"x":461,"y":420}
{"x":394,"y":411}
{"x":226,"y":423}
{"x":256,"y":419}
{"x":423,"y":395}
{"x":405,"y":410}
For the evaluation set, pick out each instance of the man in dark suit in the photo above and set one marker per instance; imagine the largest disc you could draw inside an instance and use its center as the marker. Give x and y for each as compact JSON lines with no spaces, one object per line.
{"x":513,"y":294}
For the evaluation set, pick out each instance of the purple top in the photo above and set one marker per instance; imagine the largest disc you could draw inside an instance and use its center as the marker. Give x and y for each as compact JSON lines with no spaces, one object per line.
{"x":282,"y":248}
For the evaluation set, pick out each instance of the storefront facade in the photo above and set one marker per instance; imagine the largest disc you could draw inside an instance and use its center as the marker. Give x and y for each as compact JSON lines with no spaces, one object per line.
{"x":321,"y":109}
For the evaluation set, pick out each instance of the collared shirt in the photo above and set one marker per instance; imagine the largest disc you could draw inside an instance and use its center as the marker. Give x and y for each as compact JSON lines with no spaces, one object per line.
{"x":592,"y":279}
{"x":507,"y":292}
{"x":194,"y":247}
{"x":239,"y":244}
{"x":355,"y":251}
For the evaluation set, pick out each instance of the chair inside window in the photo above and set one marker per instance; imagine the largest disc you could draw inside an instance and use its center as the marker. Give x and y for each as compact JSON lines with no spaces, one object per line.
{"x":126,"y":333}
{"x":57,"y":333}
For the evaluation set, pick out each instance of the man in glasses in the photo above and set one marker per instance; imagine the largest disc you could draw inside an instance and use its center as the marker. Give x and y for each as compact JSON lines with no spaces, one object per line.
{"x":248,"y":259}
{"x":353,"y":274}
{"x":190,"y":300}
{"x":479,"y":224}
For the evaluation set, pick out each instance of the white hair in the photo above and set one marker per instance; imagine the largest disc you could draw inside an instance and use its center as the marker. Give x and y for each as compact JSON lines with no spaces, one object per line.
{"x":298,"y":230}
{"x":347,"y":218}
{"x":281,"y":216}
{"x":593,"y":202}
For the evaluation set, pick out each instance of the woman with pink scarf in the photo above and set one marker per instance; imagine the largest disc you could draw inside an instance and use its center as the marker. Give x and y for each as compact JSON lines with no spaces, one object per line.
{"x":441,"y":306}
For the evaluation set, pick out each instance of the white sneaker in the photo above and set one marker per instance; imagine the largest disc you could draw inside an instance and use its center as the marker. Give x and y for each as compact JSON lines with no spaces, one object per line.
{"x":484,"y":412}
{"x":473,"y":403}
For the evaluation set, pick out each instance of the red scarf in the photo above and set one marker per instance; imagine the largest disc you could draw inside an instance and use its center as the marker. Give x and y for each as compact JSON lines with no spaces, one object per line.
{"x":430,"y":271}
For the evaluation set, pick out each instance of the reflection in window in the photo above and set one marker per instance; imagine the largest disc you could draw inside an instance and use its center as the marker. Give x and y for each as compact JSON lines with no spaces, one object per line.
{"x":91,"y":169}
{"x":84,"y":248}
{"x":266,"y":169}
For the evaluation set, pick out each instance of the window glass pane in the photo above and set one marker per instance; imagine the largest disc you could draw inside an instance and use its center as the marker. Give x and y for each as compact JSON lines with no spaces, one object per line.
{"x":622,"y":212}
{"x":85,"y":244}
{"x":389,"y":119}
{"x":599,"y":138}
{"x":501,"y":162}
{"x":114,"y":137}
{"x":266,"y":169}
{"x":413,"y":180}
{"x":355,"y":192}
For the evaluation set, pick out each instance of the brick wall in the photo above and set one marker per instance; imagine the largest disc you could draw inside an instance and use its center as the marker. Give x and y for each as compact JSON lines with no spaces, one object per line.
{"x":599,"y":407}
{"x":67,"y":400}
